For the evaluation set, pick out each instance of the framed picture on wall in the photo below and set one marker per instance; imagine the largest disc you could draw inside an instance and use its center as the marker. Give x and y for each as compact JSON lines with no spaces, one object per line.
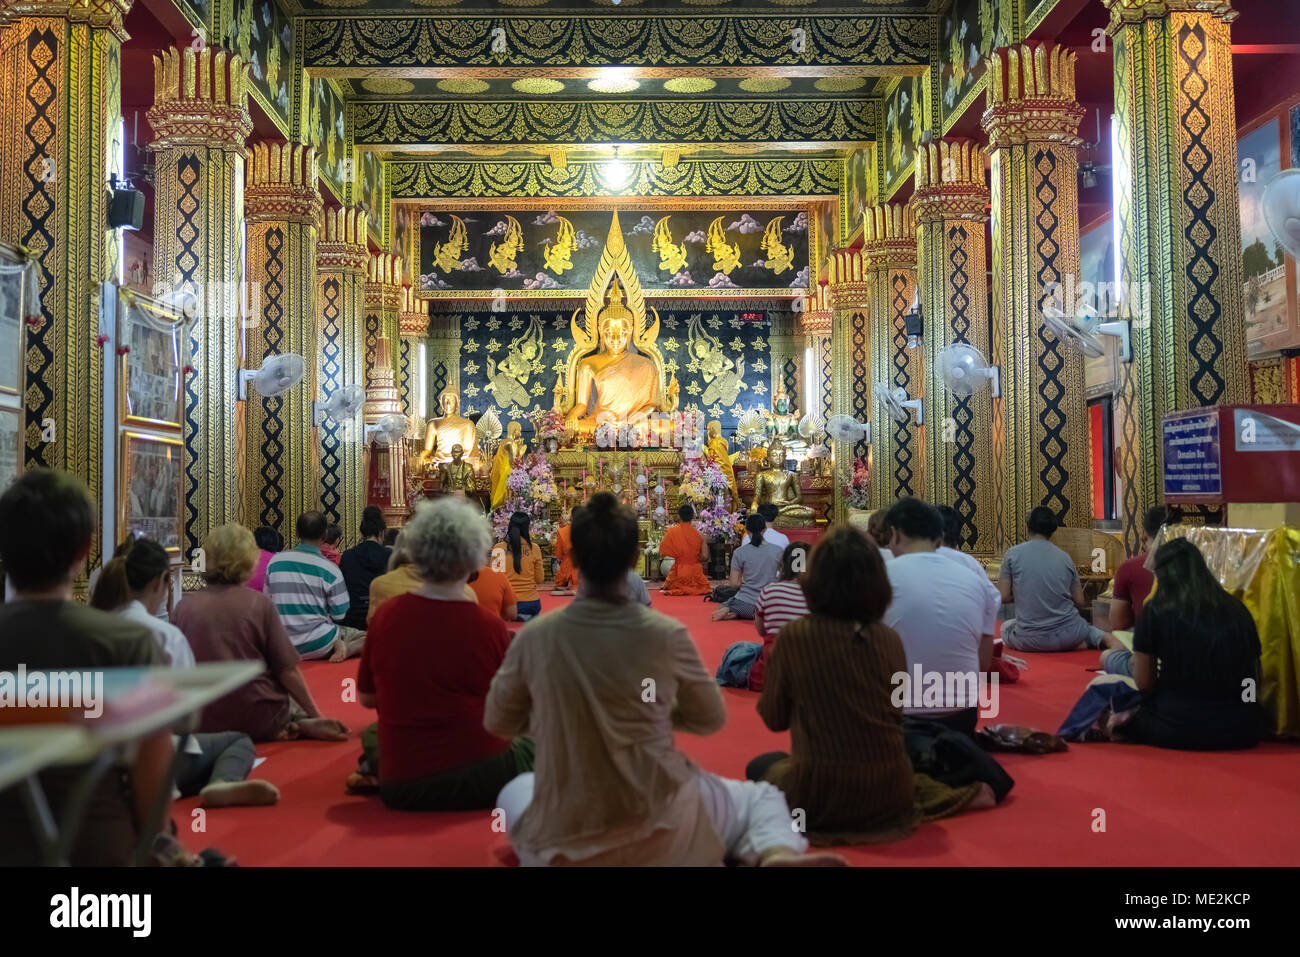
{"x":150,"y":371}
{"x":11,"y":449}
{"x":1263,"y":261}
{"x":1096,"y":275}
{"x":12,"y":285}
{"x":149,"y":495}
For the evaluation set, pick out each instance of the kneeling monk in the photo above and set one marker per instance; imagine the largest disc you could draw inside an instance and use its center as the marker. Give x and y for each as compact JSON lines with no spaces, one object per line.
{"x":566,"y":577}
{"x":684,"y":544}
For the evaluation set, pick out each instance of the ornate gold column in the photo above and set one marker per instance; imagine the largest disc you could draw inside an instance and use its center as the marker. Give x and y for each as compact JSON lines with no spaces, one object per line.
{"x":282,"y":203}
{"x":1180,"y":228}
{"x":60,"y":106}
{"x":413,"y":325}
{"x":851,"y":359}
{"x":200,"y":122}
{"x":443,"y":358}
{"x":383,"y":308}
{"x":388,"y":461}
{"x":341,"y":261}
{"x":815,"y":326}
{"x":897,"y":449}
{"x":1041,"y":447}
{"x":950,"y":202}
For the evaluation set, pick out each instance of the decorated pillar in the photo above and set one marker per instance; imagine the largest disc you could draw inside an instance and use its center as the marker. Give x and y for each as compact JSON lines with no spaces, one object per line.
{"x":1180,"y":228}
{"x":850,"y":358}
{"x":413,"y":325}
{"x":815,"y":326}
{"x":383,"y":309}
{"x":200,"y":122}
{"x":951,"y":213}
{"x":443,"y":358}
{"x":282,"y":463}
{"x":341,"y":261}
{"x":386,"y":460}
{"x":1041,"y":442}
{"x":786,"y":358}
{"x":889,"y":253}
{"x":60,"y":90}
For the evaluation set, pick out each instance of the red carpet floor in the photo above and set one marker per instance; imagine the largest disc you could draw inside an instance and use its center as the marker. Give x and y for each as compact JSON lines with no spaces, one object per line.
{"x":1160,"y":807}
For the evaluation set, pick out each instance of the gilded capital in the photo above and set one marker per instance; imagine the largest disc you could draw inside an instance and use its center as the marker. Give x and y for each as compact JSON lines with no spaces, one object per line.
{"x":282,"y":184}
{"x":105,"y":14}
{"x":1129,"y":12}
{"x":200,"y":99}
{"x":384,"y":282}
{"x":950,"y":182}
{"x":1031,"y":96}
{"x":889,"y":236}
{"x":341,"y":245}
{"x":413,"y":321}
{"x":847,"y":273}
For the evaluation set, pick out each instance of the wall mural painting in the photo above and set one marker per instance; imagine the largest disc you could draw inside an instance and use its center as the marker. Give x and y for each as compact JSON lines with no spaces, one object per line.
{"x":263,"y":36}
{"x":1263,"y":261}
{"x":904,"y":123}
{"x":971,"y":31}
{"x":326,"y":125}
{"x":510,"y":361}
{"x":539,"y":250}
{"x":1097,"y":272}
{"x":857,"y":168}
{"x":372,"y":192}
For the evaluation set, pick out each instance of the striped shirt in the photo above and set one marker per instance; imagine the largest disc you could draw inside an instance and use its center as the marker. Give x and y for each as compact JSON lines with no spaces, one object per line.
{"x":779,"y":603}
{"x":309,"y":593}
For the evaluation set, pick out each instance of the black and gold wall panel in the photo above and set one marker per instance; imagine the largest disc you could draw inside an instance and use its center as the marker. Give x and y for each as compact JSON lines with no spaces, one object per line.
{"x":548,"y":250}
{"x":263,"y":37}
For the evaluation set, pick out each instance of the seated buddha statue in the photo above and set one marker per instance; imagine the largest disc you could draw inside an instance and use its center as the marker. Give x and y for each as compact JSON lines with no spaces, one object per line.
{"x":450,"y":430}
{"x":774,"y":485}
{"x":614,"y":384}
{"x":457,"y":476}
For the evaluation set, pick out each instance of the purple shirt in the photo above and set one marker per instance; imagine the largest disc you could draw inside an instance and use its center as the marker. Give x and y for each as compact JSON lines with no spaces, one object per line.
{"x":259,"y":573}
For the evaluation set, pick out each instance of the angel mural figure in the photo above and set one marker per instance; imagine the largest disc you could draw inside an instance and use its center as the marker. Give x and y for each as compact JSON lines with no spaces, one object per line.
{"x":446,"y":256}
{"x":780,"y":257}
{"x":508,"y":379}
{"x":723,"y":377}
{"x":559,"y":251}
{"x":726,"y":256}
{"x":672,"y":256}
{"x":502,"y":255}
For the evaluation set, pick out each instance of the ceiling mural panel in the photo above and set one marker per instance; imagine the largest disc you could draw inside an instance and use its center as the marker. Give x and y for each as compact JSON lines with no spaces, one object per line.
{"x":969,"y":33}
{"x":695,"y":120}
{"x":326,"y":126}
{"x":263,"y":36}
{"x":904,"y":123}
{"x":751,"y":250}
{"x":414,"y":179}
{"x":866,"y":40}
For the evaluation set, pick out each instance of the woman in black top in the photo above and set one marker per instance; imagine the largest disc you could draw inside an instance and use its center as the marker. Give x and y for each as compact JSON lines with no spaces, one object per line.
{"x":362,"y":564}
{"x":1196,"y":655}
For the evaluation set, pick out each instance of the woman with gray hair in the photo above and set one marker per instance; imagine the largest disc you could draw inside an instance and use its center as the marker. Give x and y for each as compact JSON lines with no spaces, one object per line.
{"x":428,"y":661}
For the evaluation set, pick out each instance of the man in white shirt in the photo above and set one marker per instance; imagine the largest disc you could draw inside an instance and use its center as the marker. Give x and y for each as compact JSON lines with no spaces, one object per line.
{"x":940,"y":610}
{"x":952,"y":522}
{"x":770,"y":534}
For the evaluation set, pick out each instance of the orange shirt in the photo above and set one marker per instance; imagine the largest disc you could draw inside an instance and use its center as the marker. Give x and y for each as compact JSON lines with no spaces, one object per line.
{"x":493,"y":591}
{"x":531,"y":572}
{"x":682,"y":543}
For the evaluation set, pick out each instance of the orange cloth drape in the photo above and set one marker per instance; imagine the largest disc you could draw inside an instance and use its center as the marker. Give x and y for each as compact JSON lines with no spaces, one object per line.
{"x":567,"y":576}
{"x":682,"y":543}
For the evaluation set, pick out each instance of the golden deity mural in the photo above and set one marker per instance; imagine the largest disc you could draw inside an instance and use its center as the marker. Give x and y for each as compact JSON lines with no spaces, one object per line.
{"x":559,"y":252}
{"x":615,"y":371}
{"x":448,"y":431}
{"x":502,"y":255}
{"x":726,"y":256}
{"x":446,"y":256}
{"x":508,"y":379}
{"x":723,"y":377}
{"x":672,"y":256}
{"x":775,"y":486}
{"x":780,"y":257}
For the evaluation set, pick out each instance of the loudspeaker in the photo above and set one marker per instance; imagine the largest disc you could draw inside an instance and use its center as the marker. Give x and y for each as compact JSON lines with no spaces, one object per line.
{"x":125,"y":209}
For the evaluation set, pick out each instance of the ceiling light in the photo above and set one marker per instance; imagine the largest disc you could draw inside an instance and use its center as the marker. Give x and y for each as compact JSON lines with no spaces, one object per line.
{"x":616,"y":172}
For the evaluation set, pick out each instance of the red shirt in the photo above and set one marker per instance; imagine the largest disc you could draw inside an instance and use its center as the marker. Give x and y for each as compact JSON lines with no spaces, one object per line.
{"x":431,"y":662}
{"x":1133,"y":583}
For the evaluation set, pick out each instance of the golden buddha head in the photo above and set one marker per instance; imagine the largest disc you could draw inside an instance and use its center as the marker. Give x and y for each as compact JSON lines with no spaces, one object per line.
{"x":514,"y":430}
{"x":449,"y":402}
{"x":776,"y":454}
{"x":715,"y":429}
{"x":615,"y":322}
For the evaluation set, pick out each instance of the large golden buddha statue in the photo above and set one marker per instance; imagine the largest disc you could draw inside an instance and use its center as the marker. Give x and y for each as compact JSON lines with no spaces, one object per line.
{"x":775,"y":486}
{"x":615,"y":373}
{"x":448,"y":431}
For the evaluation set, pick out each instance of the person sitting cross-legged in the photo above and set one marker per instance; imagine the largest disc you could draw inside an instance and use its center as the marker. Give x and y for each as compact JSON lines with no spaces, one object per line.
{"x":601,"y":685}
{"x":428,"y":662}
{"x":688,"y":550}
{"x":311,"y":595}
{"x":362,"y":564}
{"x":1043,"y":583}
{"x":754,"y":564}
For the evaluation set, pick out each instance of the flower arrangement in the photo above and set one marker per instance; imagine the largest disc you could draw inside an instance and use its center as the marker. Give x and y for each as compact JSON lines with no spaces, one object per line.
{"x":857,"y":491}
{"x":717,"y":522}
{"x":530,"y":488}
{"x":701,"y":482}
{"x":551,"y":425}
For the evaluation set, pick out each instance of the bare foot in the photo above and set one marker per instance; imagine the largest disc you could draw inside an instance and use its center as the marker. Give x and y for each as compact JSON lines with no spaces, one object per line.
{"x":254,"y":793}
{"x":340,"y":651}
{"x":322,"y":729}
{"x":984,"y":800}
{"x":724,"y":614}
{"x":788,"y":857}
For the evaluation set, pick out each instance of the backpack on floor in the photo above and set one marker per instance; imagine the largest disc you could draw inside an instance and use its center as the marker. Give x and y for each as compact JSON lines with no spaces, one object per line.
{"x":722,"y":593}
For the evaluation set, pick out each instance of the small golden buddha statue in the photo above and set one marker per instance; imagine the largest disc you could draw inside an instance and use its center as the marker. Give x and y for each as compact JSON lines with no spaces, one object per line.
{"x":779,"y":487}
{"x":510,"y":452}
{"x":456,"y":476}
{"x":717,"y":451}
{"x":450,"y":430}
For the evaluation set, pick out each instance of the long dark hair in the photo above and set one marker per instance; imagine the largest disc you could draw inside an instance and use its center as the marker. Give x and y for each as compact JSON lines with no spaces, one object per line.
{"x":1186,"y":586}
{"x":755,"y":525}
{"x":605,"y":542}
{"x":516,"y":534}
{"x":135,"y":564}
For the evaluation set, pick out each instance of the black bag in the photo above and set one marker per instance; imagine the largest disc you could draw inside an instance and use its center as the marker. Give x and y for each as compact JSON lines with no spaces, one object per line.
{"x":723,"y":593}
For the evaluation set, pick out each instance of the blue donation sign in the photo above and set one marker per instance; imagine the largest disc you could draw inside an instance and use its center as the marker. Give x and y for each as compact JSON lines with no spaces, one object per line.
{"x":1192,"y":463}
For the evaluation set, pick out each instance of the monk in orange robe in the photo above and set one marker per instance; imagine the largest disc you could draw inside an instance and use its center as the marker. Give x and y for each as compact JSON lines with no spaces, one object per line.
{"x":684,"y":544}
{"x":566,"y":579}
